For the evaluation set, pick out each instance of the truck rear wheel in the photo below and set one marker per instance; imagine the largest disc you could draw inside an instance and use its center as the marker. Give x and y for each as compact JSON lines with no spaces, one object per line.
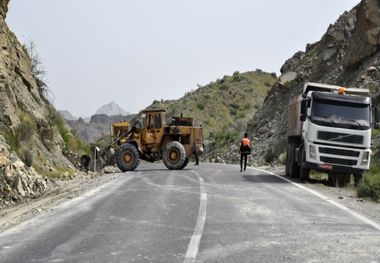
{"x":174,"y":156}
{"x":304,"y":173}
{"x":291,"y":165}
{"x":127,"y":158}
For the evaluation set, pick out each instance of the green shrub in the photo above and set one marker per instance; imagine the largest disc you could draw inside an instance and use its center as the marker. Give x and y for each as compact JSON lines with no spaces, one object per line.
{"x":224,"y":87}
{"x":370,"y":187}
{"x":234,"y":106}
{"x":200,"y":106}
{"x":269,"y":155}
{"x":233,"y":112}
{"x":246,"y":106}
{"x":267,"y":83}
{"x":11,"y":140}
{"x":241,"y":114}
{"x":282,"y":158}
{"x":25,"y":129}
{"x":28,"y":158}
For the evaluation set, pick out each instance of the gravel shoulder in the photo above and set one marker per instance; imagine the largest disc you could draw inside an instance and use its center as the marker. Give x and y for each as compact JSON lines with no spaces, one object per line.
{"x":61,"y":192}
{"x":346,"y":196}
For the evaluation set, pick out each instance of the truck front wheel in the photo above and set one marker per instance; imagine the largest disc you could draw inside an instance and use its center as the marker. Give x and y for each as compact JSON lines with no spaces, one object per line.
{"x":358,"y":178}
{"x":339,"y":179}
{"x":303,"y":172}
{"x":127,"y":158}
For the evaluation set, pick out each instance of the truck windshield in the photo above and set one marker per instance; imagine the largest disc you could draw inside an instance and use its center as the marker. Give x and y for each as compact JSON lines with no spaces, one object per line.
{"x":341,"y":114}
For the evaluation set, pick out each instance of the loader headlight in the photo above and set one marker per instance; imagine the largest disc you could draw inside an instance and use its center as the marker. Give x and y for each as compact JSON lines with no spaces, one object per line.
{"x":365,"y":158}
{"x":312,"y":152}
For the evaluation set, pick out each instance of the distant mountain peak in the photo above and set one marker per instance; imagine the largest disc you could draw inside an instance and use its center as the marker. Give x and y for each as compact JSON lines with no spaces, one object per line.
{"x":111,"y":109}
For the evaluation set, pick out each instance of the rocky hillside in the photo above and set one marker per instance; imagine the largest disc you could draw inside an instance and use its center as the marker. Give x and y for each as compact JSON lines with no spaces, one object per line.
{"x":223,"y":108}
{"x":33,"y":140}
{"x":347,"y":55}
{"x":111,"y":109}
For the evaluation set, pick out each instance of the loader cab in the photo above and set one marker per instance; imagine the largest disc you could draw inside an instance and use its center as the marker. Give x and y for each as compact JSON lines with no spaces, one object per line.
{"x":153,"y":126}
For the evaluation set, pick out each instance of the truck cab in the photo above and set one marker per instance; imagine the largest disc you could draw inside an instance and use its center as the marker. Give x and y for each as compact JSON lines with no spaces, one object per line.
{"x":329,"y":130}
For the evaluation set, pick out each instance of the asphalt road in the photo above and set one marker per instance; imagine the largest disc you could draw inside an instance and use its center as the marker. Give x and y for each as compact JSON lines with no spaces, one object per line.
{"x":211,"y":213}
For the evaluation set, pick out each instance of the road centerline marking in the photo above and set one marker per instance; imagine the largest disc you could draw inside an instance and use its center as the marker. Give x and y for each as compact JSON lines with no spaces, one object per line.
{"x":195,"y":240}
{"x":336,"y":204}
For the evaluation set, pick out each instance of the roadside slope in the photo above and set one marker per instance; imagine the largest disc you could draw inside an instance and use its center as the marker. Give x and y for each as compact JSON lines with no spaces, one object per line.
{"x":347,"y":55}
{"x":223,"y":108}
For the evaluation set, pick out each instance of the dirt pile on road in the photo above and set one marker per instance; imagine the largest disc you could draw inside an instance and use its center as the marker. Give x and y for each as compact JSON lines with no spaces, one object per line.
{"x":347,"y":55}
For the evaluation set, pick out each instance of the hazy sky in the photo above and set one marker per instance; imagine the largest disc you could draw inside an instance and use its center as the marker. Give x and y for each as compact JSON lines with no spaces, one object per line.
{"x":135,"y":51}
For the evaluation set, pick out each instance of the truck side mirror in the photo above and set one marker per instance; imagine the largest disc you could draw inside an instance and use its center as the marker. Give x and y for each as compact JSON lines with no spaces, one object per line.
{"x":377,"y":118}
{"x":304,"y":104}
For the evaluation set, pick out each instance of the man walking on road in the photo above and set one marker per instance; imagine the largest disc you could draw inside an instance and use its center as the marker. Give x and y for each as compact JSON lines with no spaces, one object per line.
{"x":195,"y":152}
{"x":245,"y":149}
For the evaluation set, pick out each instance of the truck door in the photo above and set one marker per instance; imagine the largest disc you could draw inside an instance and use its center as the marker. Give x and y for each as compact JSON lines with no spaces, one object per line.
{"x":158,"y":128}
{"x":148,"y":132}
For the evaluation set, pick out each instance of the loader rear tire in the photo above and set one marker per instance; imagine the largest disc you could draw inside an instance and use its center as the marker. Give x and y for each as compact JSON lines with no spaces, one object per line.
{"x":174,"y":156}
{"x":127,"y":158}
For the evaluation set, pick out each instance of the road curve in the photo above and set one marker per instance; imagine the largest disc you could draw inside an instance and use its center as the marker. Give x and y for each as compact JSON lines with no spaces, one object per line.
{"x":211,"y":213}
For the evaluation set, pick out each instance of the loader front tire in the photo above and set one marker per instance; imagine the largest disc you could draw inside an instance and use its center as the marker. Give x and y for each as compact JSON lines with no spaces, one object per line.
{"x":127,"y":158}
{"x":174,"y":155}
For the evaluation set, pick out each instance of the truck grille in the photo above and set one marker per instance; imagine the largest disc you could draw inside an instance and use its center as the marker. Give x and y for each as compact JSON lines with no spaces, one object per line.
{"x":338,"y":161}
{"x":334,"y":151}
{"x":340,"y":137}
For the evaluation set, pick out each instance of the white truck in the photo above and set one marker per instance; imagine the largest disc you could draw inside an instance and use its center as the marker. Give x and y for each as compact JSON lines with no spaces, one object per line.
{"x":329,"y":130}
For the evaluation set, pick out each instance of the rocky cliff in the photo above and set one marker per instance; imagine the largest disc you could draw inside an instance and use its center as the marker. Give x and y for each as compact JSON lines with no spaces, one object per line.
{"x":347,"y":55}
{"x":31,"y":140}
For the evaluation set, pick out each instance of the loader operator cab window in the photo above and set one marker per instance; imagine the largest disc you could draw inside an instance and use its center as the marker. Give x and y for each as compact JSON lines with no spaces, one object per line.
{"x":158,"y":121}
{"x":148,"y":121}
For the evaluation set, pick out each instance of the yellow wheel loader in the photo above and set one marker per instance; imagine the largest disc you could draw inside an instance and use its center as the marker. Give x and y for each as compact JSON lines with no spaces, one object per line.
{"x":151,"y":140}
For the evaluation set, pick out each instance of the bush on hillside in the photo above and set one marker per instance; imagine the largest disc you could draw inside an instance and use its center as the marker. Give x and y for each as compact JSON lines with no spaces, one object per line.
{"x":269,"y":155}
{"x":267,"y":83}
{"x":28,"y":158}
{"x":200,"y":106}
{"x":37,"y":68}
{"x":25,"y":129}
{"x":370,"y":187}
{"x":224,"y":87}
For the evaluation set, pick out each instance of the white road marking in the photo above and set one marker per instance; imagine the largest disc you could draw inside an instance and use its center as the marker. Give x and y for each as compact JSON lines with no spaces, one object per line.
{"x":344,"y":208}
{"x":195,"y":240}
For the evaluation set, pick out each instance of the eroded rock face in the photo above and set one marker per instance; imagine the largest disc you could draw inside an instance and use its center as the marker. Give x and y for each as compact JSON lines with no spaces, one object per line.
{"x":17,"y":181}
{"x":27,"y":121}
{"x":347,"y":55}
{"x":4,"y":7}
